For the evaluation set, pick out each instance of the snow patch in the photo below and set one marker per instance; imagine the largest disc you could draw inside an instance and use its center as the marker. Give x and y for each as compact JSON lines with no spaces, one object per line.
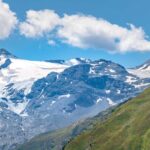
{"x":53,"y":102}
{"x":141,"y":73}
{"x":118,"y":91}
{"x":130,"y":79}
{"x":112,"y":71}
{"x":110,"y":102}
{"x":17,"y":107}
{"x":141,"y":85}
{"x":92,"y":71}
{"x":98,"y":100}
{"x":24,"y":114}
{"x":107,"y":91}
{"x":72,"y":62}
{"x":64,"y":96}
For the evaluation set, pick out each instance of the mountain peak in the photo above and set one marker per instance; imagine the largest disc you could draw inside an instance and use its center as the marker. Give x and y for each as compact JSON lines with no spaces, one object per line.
{"x":147,"y":62}
{"x":144,"y":66}
{"x":4,"y":52}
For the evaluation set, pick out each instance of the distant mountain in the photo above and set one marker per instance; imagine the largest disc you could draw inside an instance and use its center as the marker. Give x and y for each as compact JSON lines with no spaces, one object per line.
{"x":5,"y":53}
{"x":142,"y":71}
{"x":145,"y":65}
{"x":126,"y":129}
{"x":41,"y":96}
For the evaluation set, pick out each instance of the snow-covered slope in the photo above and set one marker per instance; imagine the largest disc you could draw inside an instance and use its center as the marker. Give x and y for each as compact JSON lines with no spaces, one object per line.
{"x":142,"y":71}
{"x":24,"y":73}
{"x":19,"y":75}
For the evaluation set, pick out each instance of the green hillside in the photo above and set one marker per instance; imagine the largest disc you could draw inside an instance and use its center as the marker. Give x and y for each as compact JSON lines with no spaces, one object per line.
{"x":128,"y":128}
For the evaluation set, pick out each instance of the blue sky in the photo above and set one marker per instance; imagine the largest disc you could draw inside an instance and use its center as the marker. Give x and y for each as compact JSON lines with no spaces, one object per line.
{"x":117,"y":12}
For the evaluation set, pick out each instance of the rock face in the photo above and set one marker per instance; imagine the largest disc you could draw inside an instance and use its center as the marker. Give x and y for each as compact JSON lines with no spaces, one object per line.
{"x":36,"y":97}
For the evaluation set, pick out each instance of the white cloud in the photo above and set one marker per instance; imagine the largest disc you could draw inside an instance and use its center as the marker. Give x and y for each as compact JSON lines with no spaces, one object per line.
{"x":89,"y":32}
{"x":84,"y":31}
{"x":8,"y":20}
{"x":51,"y":42}
{"x":39,"y":23}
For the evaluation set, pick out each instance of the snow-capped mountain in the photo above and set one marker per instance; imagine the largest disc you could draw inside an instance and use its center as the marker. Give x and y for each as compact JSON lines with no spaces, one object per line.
{"x":17,"y":77}
{"x":142,"y":71}
{"x":37,"y":97}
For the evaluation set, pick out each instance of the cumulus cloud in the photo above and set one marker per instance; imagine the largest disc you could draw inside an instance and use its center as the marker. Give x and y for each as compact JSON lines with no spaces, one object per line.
{"x":8,"y":20}
{"x":85,"y":31}
{"x":39,"y":23}
{"x":90,"y":32}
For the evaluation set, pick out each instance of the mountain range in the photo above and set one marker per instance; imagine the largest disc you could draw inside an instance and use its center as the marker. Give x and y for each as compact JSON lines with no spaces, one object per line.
{"x":41,"y":96}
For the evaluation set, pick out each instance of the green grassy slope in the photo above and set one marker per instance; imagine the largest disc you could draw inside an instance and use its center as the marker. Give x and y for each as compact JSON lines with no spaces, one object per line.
{"x":128,"y":128}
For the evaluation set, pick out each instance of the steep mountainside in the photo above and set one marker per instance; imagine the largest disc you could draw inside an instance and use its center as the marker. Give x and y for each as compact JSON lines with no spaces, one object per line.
{"x":56,"y":140}
{"x":126,"y":129}
{"x":36,"y":97}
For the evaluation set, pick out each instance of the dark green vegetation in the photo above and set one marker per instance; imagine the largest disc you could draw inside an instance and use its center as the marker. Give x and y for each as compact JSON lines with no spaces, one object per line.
{"x":128,"y":128}
{"x":57,"y":139}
